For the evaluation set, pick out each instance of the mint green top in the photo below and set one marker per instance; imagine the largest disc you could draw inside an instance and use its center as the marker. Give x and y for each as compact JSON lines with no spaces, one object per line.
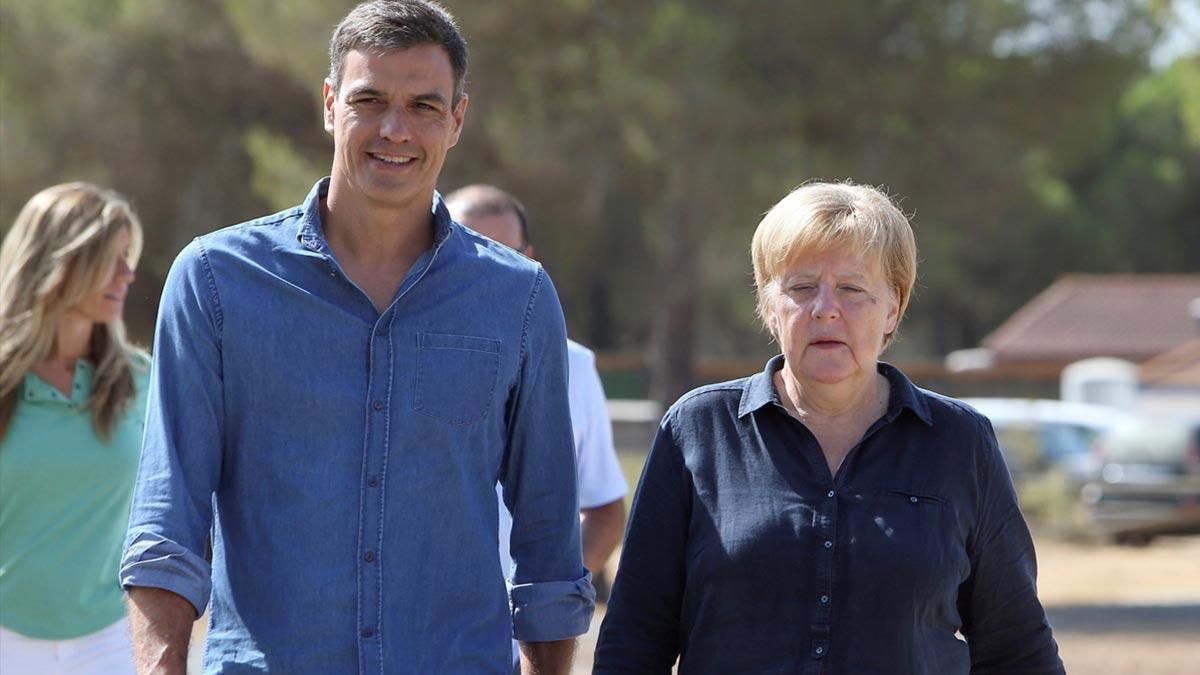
{"x":64,"y":508}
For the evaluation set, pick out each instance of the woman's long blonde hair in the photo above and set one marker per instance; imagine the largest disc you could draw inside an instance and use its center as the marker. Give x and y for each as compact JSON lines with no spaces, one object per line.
{"x":61,"y":248}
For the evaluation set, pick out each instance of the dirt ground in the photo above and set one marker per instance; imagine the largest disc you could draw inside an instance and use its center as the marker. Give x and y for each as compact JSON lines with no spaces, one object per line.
{"x":1124,"y":611}
{"x":1115,"y":610}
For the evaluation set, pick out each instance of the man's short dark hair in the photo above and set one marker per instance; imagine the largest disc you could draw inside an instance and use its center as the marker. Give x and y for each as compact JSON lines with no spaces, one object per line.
{"x":488,"y":200}
{"x":388,"y":25}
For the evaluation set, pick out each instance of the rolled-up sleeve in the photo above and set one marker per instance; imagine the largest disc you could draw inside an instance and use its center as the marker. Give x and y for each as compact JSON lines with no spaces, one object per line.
{"x":171,"y":514}
{"x":552,"y":596}
{"x":1003,"y":620}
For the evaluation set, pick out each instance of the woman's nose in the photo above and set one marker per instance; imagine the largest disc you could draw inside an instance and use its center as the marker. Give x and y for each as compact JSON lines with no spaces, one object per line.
{"x":124,"y":271}
{"x":825,"y":305}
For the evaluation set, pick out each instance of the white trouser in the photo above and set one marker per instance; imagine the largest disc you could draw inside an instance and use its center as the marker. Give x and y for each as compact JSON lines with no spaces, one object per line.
{"x":105,"y":652}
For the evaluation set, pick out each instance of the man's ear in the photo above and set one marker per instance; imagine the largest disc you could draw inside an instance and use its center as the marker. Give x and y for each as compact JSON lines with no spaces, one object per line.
{"x":459,"y":113}
{"x":328,"y":95}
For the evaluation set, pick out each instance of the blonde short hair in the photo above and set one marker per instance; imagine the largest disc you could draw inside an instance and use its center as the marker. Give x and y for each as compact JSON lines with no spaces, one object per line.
{"x":817,"y":217}
{"x":59,"y":250}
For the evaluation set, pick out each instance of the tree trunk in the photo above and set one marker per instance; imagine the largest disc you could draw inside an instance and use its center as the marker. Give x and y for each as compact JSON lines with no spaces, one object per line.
{"x":673,"y":321}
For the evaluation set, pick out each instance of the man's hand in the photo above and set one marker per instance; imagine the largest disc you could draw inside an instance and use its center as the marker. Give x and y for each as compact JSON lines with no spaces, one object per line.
{"x":161,"y":624}
{"x":547,"y":658}
{"x":601,"y":530}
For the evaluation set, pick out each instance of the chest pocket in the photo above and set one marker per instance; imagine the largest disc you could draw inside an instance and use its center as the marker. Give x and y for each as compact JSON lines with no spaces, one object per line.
{"x":911,"y":534}
{"x":456,"y":377}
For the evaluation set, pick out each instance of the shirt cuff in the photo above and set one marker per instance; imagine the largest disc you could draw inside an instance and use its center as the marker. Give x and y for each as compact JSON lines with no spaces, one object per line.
{"x":156,"y":562}
{"x":552,"y":610}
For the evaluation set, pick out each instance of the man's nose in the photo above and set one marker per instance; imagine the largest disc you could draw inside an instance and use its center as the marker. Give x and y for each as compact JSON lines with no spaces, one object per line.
{"x":395,"y":126}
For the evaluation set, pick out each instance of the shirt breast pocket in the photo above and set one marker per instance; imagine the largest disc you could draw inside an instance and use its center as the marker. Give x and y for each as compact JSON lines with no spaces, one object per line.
{"x":456,"y":377}
{"x":913,"y":536}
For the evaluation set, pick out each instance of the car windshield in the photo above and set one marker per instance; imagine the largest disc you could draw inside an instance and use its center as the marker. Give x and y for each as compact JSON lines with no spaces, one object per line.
{"x":1065,"y":441}
{"x":1031,"y":446}
{"x":1146,"y":442}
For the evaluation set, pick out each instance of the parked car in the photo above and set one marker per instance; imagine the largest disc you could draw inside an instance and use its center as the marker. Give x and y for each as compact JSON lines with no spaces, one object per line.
{"x":1037,"y":435}
{"x":1148,"y":480}
{"x":1048,"y":446}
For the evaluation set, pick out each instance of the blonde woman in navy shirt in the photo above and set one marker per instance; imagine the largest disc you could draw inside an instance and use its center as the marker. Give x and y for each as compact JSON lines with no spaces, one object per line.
{"x":71,"y":409}
{"x":826,"y":515}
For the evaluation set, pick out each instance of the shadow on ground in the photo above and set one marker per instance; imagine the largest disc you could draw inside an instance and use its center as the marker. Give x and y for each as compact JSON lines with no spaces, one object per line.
{"x":1158,"y":620}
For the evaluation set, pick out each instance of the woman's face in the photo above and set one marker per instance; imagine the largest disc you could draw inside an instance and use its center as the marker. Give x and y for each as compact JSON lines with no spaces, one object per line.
{"x":106,"y":303}
{"x":830,"y":312}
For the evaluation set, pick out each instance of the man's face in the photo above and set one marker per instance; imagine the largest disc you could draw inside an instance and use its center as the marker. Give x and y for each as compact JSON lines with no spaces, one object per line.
{"x":392,"y":124}
{"x":503,"y":227}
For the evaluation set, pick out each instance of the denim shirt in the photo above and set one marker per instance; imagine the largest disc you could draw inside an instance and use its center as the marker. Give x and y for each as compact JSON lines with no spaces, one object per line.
{"x":744,"y":554}
{"x":345,"y":460}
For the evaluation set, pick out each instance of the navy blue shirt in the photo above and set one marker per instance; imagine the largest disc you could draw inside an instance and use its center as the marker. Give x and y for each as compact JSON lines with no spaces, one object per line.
{"x":744,"y":555}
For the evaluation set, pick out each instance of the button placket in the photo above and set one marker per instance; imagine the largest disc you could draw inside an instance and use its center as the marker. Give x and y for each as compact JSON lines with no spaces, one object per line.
{"x":824,"y":576}
{"x":381,"y":365}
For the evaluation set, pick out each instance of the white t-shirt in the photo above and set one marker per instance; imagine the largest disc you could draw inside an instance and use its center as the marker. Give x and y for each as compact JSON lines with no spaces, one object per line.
{"x":597,"y":471}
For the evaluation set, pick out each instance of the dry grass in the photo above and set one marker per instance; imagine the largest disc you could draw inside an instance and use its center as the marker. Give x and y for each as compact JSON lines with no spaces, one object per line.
{"x":1124,"y":611}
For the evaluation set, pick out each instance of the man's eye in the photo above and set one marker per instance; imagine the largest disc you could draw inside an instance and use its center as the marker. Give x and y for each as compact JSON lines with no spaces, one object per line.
{"x":852,"y":289}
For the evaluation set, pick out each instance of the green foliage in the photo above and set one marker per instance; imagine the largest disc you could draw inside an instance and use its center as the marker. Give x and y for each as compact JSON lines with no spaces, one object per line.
{"x":1027,"y":139}
{"x":282,"y":177}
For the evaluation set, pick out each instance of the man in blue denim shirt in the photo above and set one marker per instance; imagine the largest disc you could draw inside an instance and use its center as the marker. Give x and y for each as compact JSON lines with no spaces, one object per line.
{"x":336,"y":390}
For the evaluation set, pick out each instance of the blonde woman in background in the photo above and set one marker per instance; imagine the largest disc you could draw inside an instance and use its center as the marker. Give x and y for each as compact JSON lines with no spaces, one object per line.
{"x":72,"y":395}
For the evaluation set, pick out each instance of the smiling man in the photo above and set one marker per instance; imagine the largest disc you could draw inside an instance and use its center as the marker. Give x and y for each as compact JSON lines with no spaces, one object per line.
{"x":338,"y":388}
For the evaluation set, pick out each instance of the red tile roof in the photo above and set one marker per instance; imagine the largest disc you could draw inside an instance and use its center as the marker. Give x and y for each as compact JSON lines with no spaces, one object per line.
{"x":1132,"y":317}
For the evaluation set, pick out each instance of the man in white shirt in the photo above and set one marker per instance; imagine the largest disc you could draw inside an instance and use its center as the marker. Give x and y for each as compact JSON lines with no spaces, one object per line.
{"x":498,"y":215}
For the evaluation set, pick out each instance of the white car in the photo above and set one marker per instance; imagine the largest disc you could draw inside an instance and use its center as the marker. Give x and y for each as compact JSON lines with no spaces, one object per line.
{"x":1037,"y":435}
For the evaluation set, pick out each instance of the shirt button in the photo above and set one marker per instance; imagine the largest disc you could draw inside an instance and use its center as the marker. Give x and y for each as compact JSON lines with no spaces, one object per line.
{"x":819,"y":650}
{"x":912,"y":499}
{"x":369,"y":556}
{"x":824,"y":599}
{"x":829,"y":494}
{"x":373,"y":481}
{"x":828,"y":544}
{"x":368,"y":632}
{"x":377,"y":405}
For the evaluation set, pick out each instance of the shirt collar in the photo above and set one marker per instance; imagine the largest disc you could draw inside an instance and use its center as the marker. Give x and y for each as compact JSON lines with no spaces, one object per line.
{"x":311,"y":233}
{"x":38,"y":390}
{"x":760,"y":388}
{"x":443,"y":225}
{"x":904,"y":394}
{"x":759,"y":391}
